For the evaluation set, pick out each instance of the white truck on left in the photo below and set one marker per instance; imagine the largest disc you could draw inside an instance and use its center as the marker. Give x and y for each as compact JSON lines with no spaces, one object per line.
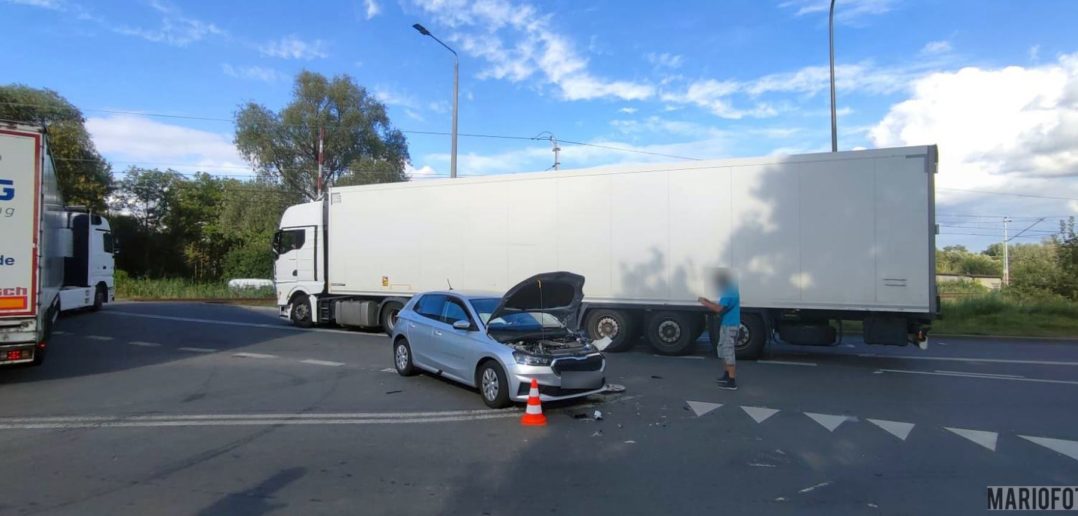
{"x":51,"y":258}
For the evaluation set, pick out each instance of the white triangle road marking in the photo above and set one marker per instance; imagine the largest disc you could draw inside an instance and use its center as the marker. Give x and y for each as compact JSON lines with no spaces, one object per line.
{"x":702,"y":407}
{"x":981,"y":437}
{"x":1068,"y":448}
{"x":828,"y":421}
{"x":896,"y":428}
{"x":759,"y":414}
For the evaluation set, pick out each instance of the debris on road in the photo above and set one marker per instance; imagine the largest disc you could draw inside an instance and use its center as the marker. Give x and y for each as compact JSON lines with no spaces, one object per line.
{"x":602,"y":343}
{"x":613,"y":388}
{"x":813,"y":488}
{"x":598,"y":433}
{"x":630,"y":442}
{"x":394,"y":392}
{"x":656,"y":377}
{"x":598,"y":415}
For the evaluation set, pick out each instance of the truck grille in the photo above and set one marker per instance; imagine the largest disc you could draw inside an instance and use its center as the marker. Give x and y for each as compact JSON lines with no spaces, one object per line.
{"x":591,"y":363}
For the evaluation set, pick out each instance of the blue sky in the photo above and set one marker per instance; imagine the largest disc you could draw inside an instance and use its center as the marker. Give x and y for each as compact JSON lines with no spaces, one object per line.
{"x":994,"y":83}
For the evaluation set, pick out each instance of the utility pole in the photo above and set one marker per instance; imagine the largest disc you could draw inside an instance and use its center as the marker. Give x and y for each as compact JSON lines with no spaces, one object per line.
{"x":1006,"y":258}
{"x":554,"y":146}
{"x":831,"y":45}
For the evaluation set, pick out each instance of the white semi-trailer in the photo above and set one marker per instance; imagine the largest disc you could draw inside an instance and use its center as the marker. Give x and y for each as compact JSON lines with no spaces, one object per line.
{"x":813,"y":239}
{"x":51,"y":258}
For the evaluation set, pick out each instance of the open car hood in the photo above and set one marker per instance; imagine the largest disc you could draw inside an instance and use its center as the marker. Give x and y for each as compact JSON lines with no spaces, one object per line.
{"x":556,"y":293}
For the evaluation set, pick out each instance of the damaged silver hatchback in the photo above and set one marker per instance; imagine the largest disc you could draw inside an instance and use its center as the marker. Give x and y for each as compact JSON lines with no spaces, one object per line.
{"x":499,"y":344}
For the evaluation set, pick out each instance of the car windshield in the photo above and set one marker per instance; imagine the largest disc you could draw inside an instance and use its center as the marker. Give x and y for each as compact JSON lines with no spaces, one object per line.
{"x":515,"y":321}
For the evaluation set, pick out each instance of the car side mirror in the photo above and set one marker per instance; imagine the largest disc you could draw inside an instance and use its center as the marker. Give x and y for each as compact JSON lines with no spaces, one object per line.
{"x":462,"y":325}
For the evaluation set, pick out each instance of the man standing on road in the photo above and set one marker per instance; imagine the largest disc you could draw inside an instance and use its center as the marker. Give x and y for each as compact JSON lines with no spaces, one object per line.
{"x":729,"y":309}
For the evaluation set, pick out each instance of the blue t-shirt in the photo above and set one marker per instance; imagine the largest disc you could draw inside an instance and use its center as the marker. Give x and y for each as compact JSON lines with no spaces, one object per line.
{"x":731,"y":299}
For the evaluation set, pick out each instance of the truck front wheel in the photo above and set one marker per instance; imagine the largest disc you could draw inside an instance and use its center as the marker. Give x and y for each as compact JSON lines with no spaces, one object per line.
{"x":671,"y":333}
{"x":616,"y":324}
{"x":301,"y":311}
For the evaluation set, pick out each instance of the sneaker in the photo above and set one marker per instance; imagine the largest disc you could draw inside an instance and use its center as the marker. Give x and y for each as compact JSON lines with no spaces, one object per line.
{"x":729,"y":384}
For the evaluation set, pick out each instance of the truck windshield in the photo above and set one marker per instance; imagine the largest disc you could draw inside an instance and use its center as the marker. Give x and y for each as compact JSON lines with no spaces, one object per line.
{"x":516,"y":321}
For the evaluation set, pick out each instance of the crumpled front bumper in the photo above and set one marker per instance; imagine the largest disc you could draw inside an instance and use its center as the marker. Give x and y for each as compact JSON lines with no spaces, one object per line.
{"x":551,"y":384}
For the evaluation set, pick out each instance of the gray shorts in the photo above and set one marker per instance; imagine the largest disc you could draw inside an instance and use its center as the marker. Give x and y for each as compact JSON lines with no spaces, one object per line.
{"x":727,"y":341}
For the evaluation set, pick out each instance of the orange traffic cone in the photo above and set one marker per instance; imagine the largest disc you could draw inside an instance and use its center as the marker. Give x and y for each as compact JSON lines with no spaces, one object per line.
{"x":533,"y":416}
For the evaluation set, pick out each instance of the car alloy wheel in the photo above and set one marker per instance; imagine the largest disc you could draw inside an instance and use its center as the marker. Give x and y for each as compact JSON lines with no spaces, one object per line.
{"x":402,"y":356}
{"x":490,"y":384}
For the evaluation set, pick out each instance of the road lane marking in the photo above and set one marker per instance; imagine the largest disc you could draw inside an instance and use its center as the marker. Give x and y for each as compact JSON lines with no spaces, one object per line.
{"x":237,"y":323}
{"x":1068,"y":448}
{"x":98,"y":337}
{"x":59,"y":332}
{"x":971,"y":359}
{"x":987,"y":375}
{"x":144,"y":344}
{"x":197,"y":350}
{"x":828,"y":421}
{"x":896,"y":428}
{"x":981,"y":437}
{"x":759,"y":414}
{"x":322,"y":362}
{"x":815,"y":487}
{"x":250,"y":422}
{"x":783,"y":362}
{"x":702,"y":407}
{"x":980,"y":377}
{"x":253,"y":355}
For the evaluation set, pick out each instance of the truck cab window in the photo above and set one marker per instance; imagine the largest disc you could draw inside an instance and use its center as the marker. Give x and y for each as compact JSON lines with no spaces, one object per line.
{"x":288,"y":239}
{"x":106,"y":242}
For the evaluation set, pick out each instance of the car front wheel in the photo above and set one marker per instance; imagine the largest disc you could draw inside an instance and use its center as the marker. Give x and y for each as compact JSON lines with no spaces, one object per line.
{"x":493,"y":386}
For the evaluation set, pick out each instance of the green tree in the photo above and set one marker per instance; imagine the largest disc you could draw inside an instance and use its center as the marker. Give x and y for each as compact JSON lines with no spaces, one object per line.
{"x":1067,"y":259}
{"x":84,"y":177}
{"x":360,"y":144}
{"x":250,"y":213}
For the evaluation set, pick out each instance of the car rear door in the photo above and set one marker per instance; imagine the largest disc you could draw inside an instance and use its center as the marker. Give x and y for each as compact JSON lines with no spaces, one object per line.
{"x":419,"y":326}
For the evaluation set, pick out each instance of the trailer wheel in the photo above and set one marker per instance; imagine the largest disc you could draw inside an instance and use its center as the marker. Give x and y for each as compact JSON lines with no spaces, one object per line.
{"x":389,"y":316}
{"x":753,"y":336}
{"x":671,"y":333}
{"x":301,"y":311}
{"x":616,"y":324}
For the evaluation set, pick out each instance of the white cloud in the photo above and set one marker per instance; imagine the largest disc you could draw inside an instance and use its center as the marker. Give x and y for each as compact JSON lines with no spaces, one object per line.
{"x":662,"y":126}
{"x":664,"y":60}
{"x":175,"y":28}
{"x":1012,"y":129}
{"x":848,"y":11}
{"x":936,"y":47}
{"x":627,"y":110}
{"x":714,"y":96}
{"x":292,"y":47}
{"x":259,"y":73}
{"x":519,"y":43}
{"x":373,"y":9}
{"x":44,"y":4}
{"x":392,"y":97}
{"x":136,"y":140}
{"x":424,"y":172}
{"x":1035,"y":54}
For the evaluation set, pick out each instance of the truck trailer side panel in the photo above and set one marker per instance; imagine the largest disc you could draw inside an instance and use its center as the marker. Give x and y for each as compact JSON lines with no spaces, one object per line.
{"x":841,"y":231}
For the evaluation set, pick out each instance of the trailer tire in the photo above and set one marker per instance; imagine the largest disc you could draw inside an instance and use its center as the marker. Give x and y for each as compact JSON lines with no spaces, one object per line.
{"x":301,"y":311}
{"x":388,"y":317}
{"x":753,"y":336}
{"x":671,"y":333}
{"x":616,"y":324}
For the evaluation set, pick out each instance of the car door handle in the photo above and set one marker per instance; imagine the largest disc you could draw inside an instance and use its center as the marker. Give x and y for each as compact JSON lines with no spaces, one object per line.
{"x":436,"y":332}
{"x":411,"y":325}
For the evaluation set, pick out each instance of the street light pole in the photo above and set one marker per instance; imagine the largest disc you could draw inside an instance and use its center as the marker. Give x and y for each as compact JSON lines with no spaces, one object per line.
{"x":1006,"y":257}
{"x":831,"y":45}
{"x":456,"y":94}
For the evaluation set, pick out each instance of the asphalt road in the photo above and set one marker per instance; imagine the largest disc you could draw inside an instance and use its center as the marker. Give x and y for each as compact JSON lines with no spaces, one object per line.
{"x":211,"y":409}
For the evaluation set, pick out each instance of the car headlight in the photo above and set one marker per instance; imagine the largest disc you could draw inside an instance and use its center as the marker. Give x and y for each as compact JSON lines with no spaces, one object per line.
{"x":531,"y":360}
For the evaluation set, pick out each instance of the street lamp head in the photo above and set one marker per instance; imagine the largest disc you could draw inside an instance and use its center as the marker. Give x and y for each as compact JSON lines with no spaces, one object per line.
{"x":422,"y":30}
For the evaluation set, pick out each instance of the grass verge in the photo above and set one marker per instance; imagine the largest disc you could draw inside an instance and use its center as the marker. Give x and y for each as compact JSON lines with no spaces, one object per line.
{"x":996,"y":314}
{"x":180,"y":289}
